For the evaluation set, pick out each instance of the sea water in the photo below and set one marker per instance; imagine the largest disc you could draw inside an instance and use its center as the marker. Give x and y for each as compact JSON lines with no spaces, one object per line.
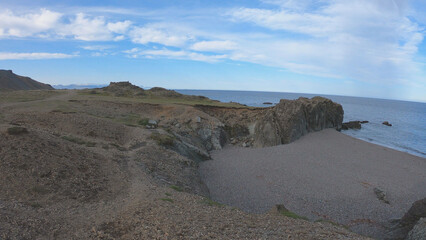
{"x":408,"y":119}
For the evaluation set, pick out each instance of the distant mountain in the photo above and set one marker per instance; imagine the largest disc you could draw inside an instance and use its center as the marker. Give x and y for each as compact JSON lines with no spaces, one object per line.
{"x":76,"y":86}
{"x":11,"y":81}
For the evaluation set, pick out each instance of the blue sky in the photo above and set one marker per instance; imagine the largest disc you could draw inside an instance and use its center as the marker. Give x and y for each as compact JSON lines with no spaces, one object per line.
{"x":370,"y":48}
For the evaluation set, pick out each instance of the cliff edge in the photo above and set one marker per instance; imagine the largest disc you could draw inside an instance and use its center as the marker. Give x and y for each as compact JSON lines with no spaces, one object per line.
{"x":291,"y":119}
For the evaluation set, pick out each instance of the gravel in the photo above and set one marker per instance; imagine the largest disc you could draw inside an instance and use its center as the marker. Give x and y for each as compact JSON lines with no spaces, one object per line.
{"x":324,"y":175}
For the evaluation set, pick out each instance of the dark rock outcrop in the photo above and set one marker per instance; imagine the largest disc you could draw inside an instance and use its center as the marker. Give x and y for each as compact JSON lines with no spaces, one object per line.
{"x":11,"y":81}
{"x":267,"y":103}
{"x":409,"y":220}
{"x":351,"y":125}
{"x":419,"y":231}
{"x":124,"y":89}
{"x":290,"y":119}
{"x":387,"y":123}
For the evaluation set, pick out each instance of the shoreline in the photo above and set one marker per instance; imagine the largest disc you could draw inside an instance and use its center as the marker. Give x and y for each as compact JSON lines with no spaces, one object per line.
{"x":420,"y":154}
{"x":324,"y":175}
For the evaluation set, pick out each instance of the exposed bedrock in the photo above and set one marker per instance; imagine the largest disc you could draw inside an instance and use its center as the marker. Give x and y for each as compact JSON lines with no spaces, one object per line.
{"x":291,"y":119}
{"x":410,"y":219}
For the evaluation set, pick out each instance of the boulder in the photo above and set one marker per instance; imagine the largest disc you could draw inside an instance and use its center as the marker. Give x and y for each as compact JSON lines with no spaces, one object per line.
{"x":387,"y":123}
{"x":351,"y":125}
{"x":419,"y":230}
{"x":381,"y":195}
{"x":409,"y":220}
{"x":290,"y":119}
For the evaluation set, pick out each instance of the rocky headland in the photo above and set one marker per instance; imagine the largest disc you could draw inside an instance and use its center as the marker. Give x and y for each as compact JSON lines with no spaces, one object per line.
{"x":121,"y":162}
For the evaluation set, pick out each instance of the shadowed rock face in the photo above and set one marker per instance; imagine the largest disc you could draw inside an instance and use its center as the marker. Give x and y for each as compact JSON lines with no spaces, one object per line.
{"x":291,"y":119}
{"x":411,"y":218}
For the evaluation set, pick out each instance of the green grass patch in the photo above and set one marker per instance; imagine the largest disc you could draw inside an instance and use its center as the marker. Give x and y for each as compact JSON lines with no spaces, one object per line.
{"x":153,"y":99}
{"x":79,"y":141}
{"x":17,"y":130}
{"x":74,"y":139}
{"x":167,"y":199}
{"x":120,"y":148}
{"x":143,"y":121}
{"x":27,"y":96}
{"x":291,"y":214}
{"x":36,"y":205}
{"x":210,"y":202}
{"x":163,"y":139}
{"x":168,"y":194}
{"x":39,"y":190}
{"x":176,"y":188}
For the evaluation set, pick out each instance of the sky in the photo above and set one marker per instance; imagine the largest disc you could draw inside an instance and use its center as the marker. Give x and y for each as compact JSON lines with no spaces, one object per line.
{"x":367,"y":48}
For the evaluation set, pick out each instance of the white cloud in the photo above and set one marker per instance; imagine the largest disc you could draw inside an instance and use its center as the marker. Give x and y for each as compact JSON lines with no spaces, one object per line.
{"x":213,"y":46}
{"x":86,"y":28}
{"x":144,"y":35}
{"x":119,"y":27}
{"x":33,"y":56}
{"x":97,"y":47}
{"x":170,"y":54}
{"x":45,"y":23}
{"x":30,"y":24}
{"x":368,"y":40}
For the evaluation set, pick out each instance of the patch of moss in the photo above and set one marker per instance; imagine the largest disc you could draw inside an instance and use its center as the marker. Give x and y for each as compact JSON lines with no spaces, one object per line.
{"x":291,"y":214}
{"x":74,"y":139}
{"x":176,"y":188}
{"x":143,"y":121}
{"x":163,"y":139}
{"x":210,"y":202}
{"x":39,"y":190}
{"x":120,"y":148}
{"x":167,"y":199}
{"x":36,"y":205}
{"x":17,"y":130}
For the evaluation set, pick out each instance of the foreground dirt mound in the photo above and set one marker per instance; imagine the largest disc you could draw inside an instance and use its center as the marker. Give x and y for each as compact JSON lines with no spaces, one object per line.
{"x":40,"y":169}
{"x":291,"y":119}
{"x":11,"y":81}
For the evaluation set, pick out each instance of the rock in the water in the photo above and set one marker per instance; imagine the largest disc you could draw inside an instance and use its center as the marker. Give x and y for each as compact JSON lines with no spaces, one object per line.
{"x":291,"y":119}
{"x":387,"y":123}
{"x":267,"y":103}
{"x":351,"y":125}
{"x":381,"y":195}
{"x":362,"y":122}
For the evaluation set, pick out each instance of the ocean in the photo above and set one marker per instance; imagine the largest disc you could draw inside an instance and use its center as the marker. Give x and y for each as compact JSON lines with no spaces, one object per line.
{"x":408,"y":119}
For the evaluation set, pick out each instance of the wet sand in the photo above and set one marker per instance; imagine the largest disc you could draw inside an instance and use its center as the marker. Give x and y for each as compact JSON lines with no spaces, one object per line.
{"x":323,"y":175}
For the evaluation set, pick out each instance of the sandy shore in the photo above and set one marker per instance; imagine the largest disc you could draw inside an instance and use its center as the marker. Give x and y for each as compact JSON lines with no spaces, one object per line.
{"x":324,"y":175}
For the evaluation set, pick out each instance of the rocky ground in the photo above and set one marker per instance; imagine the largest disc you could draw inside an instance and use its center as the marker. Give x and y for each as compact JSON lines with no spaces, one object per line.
{"x":122,"y":163}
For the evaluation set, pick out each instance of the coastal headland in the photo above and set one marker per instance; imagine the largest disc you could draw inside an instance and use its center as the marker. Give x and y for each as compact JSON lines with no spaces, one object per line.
{"x":122,"y":162}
